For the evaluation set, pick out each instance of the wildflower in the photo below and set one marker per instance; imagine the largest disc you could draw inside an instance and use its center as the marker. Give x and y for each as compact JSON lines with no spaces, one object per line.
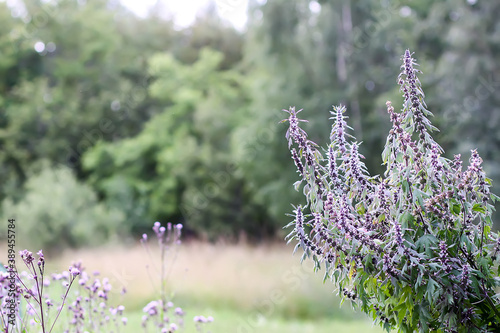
{"x":338,"y":133}
{"x":294,"y":132}
{"x":156,"y":227}
{"x":74,"y":271}
{"x":151,"y":308}
{"x":27,"y":257}
{"x":200,"y":319}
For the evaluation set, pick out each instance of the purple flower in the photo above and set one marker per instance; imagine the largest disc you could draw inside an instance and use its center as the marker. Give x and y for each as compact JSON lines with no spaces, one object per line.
{"x":151,"y":308}
{"x":56,"y":277}
{"x":102,"y":294}
{"x":294,"y":132}
{"x":27,"y":256}
{"x":74,"y":271}
{"x":298,"y":162}
{"x":156,"y":227}
{"x":464,"y":277}
{"x":199,"y":319}
{"x":41,"y":259}
{"x":339,"y":128}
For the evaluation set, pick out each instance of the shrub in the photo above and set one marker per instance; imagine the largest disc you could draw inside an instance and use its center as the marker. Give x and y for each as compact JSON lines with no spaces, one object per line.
{"x":57,"y":211}
{"x":414,"y":249}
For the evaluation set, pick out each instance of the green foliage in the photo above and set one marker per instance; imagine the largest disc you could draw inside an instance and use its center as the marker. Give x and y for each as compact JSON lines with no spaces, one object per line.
{"x":58,"y":211}
{"x":344,"y":52}
{"x":94,"y":83}
{"x":414,"y":249}
{"x":180,"y":165}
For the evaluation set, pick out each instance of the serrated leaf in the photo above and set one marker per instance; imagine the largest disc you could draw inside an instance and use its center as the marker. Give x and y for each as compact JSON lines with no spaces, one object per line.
{"x":426,"y":241}
{"x":479,"y":208}
{"x":419,"y":281}
{"x":431,"y":290}
{"x":406,"y":219}
{"x":418,"y":195}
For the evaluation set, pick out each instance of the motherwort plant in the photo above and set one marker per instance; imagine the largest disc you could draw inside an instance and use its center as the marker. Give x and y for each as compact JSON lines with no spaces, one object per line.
{"x":414,"y":249}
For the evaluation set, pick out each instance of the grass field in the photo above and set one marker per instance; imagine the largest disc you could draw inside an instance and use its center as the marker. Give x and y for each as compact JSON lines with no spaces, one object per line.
{"x":246,"y":289}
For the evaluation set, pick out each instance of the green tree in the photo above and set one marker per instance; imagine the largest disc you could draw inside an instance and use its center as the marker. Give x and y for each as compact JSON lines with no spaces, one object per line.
{"x":180,"y":165}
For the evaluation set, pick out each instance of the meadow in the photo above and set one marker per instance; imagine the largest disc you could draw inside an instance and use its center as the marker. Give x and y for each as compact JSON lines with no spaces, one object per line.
{"x":245,"y":288}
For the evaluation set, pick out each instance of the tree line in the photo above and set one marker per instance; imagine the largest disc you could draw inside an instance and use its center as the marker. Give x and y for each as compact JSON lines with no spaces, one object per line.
{"x":109,"y":121}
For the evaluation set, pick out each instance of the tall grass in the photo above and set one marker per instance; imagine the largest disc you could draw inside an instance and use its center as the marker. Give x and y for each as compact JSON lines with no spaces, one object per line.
{"x":265,"y":279}
{"x":245,"y":288}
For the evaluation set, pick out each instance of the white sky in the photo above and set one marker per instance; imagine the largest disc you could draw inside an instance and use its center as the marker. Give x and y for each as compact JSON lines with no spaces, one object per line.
{"x":185,"y":10}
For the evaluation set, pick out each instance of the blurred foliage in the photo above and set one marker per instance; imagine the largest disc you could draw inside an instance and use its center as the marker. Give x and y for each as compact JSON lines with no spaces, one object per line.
{"x":180,"y":124}
{"x":58,"y":211}
{"x":181,"y":162}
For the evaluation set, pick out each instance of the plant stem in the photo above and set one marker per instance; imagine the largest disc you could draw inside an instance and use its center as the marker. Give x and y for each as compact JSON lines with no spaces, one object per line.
{"x":63,"y":301}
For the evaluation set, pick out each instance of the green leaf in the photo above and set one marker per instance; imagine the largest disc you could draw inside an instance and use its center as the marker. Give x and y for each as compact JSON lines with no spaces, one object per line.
{"x":479,"y":208}
{"x":405,"y":219}
{"x":419,"y":281}
{"x":406,"y":186}
{"x":360,"y":209}
{"x":385,"y":154}
{"x":426,"y":241}
{"x":431,"y":290}
{"x":419,"y":195}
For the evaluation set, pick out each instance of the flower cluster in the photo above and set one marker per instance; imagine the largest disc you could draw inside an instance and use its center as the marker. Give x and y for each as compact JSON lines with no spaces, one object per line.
{"x":161,"y":314}
{"x":414,"y":248}
{"x":88,"y":302}
{"x":34,"y":308}
{"x":90,"y":309}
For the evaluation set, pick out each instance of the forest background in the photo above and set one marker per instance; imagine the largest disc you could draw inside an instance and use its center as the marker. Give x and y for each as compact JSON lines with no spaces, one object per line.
{"x":110,"y":121}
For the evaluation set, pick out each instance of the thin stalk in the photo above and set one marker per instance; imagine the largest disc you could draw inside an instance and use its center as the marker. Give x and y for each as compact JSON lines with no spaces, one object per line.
{"x":64,"y":300}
